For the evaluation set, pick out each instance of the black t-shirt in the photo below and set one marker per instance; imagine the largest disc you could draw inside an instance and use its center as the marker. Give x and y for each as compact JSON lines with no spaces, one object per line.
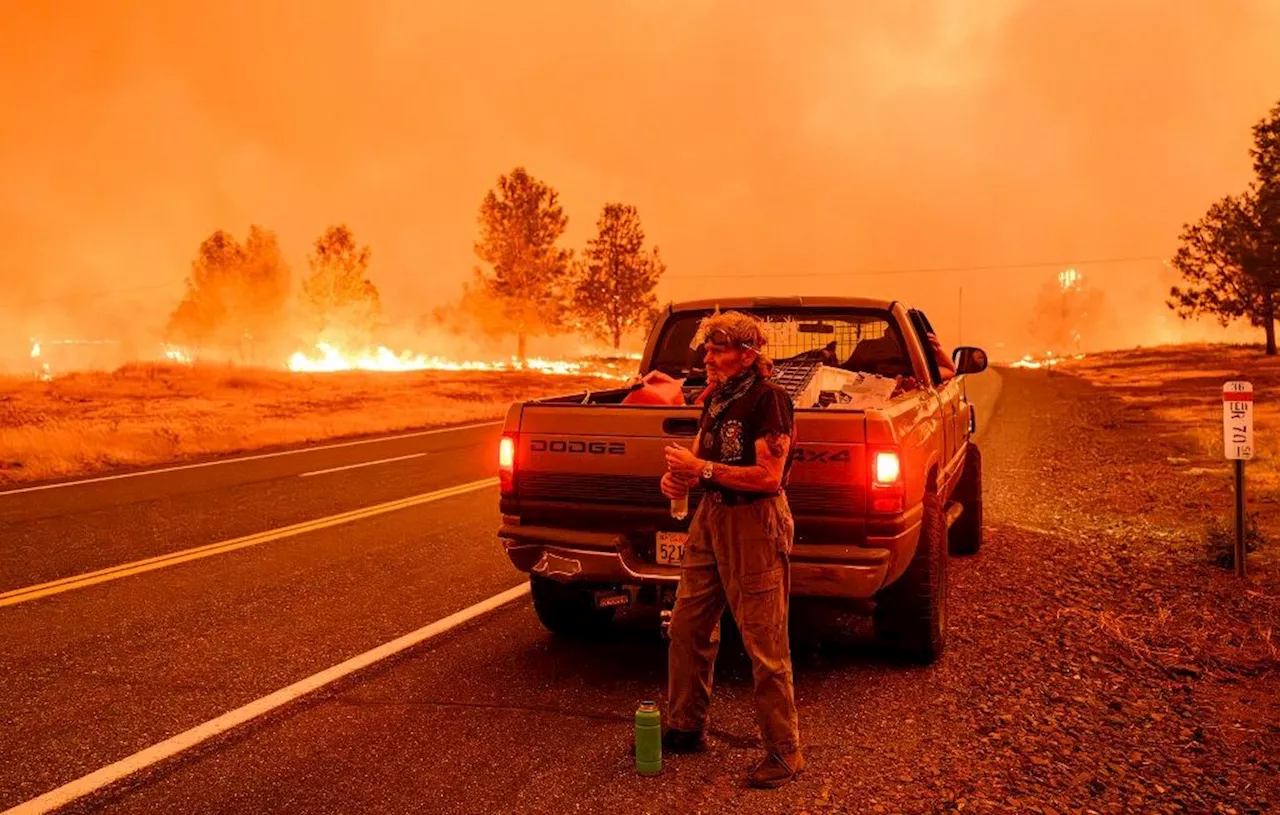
{"x":730,"y":438}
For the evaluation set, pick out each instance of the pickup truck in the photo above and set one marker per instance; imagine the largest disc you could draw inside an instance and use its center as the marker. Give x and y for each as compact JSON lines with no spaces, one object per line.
{"x":882,"y":491}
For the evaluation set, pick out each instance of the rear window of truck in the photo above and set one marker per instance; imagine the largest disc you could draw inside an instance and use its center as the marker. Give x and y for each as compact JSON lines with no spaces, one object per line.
{"x":866,"y":341}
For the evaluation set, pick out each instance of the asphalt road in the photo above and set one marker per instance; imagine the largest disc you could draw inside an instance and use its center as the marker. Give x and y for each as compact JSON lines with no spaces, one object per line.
{"x":494,"y":716}
{"x":56,"y":530}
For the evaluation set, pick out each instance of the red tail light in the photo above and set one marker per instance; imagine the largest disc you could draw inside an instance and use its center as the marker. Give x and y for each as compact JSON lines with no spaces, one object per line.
{"x":886,"y":491}
{"x":507,"y":463}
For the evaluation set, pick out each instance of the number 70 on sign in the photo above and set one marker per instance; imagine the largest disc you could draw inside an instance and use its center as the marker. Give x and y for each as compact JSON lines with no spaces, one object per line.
{"x":1237,"y":419}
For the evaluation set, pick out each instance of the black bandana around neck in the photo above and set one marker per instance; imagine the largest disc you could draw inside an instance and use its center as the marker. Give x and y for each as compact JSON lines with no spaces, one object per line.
{"x":728,"y":391}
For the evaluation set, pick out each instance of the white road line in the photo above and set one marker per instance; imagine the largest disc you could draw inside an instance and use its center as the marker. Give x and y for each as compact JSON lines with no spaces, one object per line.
{"x":79,"y":581}
{"x":172,"y":746}
{"x":257,"y":457}
{"x":361,"y":464}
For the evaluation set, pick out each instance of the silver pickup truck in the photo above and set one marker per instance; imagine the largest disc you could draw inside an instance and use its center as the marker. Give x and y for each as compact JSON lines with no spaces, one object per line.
{"x":880,"y":491}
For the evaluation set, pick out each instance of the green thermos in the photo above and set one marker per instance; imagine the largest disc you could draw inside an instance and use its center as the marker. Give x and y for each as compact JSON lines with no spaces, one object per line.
{"x":648,"y":739}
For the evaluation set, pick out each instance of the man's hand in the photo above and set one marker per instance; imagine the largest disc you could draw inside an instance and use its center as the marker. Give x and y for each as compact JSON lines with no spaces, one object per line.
{"x":945,"y":364}
{"x":682,"y":462}
{"x":673,"y":486}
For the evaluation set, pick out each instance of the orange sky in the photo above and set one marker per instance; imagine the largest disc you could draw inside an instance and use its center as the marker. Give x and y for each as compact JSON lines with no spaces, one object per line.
{"x":819,"y":140}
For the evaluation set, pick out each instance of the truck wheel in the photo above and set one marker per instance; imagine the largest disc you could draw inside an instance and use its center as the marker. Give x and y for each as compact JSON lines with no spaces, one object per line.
{"x":911,"y":613}
{"x":567,"y":610}
{"x":966,"y":532}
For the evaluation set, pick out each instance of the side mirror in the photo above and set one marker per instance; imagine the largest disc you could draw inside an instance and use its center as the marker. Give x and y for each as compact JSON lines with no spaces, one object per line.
{"x":969,"y":360}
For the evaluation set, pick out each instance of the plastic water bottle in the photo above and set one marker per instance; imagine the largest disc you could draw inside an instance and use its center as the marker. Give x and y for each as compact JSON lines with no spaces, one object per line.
{"x":648,"y":739}
{"x":680,"y":507}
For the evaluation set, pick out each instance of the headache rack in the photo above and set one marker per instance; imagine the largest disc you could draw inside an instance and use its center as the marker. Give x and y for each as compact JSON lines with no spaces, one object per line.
{"x":795,"y":375}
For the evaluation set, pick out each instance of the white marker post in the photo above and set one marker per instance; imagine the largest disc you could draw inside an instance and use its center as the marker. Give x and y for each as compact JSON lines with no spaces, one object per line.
{"x":1237,"y":443}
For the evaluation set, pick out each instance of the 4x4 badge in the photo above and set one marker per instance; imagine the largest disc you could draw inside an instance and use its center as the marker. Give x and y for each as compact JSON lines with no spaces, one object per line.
{"x":812,"y":455}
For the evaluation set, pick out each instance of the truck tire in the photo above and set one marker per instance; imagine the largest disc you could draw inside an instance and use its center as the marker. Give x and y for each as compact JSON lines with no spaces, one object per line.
{"x":566,"y":610}
{"x":911,"y":613}
{"x":966,"y":532}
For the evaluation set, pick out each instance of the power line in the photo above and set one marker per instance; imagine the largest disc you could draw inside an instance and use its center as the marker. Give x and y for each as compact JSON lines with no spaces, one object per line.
{"x":929,"y":270}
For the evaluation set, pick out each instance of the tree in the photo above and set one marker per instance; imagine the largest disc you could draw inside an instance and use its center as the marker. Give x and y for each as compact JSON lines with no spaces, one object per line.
{"x":267,"y":275}
{"x":1228,"y":263}
{"x":1230,"y":258}
{"x":520,"y":222}
{"x":1266,"y":165}
{"x":1266,"y":148}
{"x":613,"y":294}
{"x":236,"y":295}
{"x":342,"y":302}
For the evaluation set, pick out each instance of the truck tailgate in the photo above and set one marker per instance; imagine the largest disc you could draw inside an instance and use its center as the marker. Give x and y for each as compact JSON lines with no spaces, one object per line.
{"x":612,"y":456}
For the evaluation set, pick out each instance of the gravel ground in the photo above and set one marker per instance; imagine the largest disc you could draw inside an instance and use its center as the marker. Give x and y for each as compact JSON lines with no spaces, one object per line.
{"x":1096,"y":663}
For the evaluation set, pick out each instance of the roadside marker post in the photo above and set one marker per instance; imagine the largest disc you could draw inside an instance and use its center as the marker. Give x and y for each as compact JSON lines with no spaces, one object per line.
{"x":1237,"y":443}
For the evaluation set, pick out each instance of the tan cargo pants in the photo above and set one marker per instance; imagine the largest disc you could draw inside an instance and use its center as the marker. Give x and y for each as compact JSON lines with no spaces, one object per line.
{"x":739,"y":555}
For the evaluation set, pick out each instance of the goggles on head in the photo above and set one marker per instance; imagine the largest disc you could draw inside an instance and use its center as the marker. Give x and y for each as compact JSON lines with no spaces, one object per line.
{"x":721,"y":339}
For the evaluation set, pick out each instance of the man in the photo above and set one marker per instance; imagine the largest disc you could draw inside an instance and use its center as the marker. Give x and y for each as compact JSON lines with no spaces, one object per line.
{"x":884,"y":356}
{"x":946,"y":367}
{"x":739,"y":547}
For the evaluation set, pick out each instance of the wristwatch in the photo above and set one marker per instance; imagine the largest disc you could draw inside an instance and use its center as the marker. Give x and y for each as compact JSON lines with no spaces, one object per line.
{"x":707,"y":470}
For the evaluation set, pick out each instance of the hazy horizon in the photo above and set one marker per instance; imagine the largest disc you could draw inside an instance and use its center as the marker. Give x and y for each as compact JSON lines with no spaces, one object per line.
{"x":780,"y":151}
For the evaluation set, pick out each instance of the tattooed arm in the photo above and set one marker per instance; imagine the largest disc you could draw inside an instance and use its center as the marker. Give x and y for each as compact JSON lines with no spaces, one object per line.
{"x":765,"y":475}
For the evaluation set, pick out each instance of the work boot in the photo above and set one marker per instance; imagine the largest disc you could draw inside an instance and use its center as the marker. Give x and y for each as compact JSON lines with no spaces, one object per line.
{"x":684,"y":741}
{"x":775,"y":770}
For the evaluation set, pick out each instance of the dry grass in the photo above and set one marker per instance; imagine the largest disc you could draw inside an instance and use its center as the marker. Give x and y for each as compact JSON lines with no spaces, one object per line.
{"x":1181,"y":387}
{"x":1176,"y":393}
{"x":147,"y":414}
{"x":1184,"y":385}
{"x":1233,"y":642}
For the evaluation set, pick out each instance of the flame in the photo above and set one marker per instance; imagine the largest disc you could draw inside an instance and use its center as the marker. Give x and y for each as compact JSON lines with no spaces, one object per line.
{"x":1069,"y":279}
{"x":42,"y":373}
{"x":1049,"y":360}
{"x":331,"y":358}
{"x":175,"y":354}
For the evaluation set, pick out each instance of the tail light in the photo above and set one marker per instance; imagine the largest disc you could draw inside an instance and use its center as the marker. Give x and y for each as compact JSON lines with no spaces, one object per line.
{"x":507,"y":463}
{"x":887,"y":491}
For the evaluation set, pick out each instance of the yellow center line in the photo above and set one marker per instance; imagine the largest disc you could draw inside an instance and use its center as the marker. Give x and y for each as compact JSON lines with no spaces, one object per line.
{"x":80,"y":581}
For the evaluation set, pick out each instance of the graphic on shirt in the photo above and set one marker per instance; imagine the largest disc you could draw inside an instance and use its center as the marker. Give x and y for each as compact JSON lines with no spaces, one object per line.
{"x":731,"y":441}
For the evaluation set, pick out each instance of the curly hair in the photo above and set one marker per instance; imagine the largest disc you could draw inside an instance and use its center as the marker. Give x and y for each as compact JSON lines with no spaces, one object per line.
{"x":743,"y":330}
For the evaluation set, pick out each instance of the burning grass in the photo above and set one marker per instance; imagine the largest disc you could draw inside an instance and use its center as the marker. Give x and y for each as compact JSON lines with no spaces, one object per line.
{"x":85,"y":423}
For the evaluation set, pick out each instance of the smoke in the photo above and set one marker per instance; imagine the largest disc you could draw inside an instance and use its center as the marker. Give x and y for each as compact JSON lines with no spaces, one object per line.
{"x":776,"y":150}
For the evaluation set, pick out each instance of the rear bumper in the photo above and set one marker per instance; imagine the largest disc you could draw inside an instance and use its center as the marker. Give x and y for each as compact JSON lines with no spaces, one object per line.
{"x":817,"y":569}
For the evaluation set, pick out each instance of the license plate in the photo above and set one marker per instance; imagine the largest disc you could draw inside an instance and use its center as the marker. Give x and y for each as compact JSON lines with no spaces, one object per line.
{"x":670,"y":549}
